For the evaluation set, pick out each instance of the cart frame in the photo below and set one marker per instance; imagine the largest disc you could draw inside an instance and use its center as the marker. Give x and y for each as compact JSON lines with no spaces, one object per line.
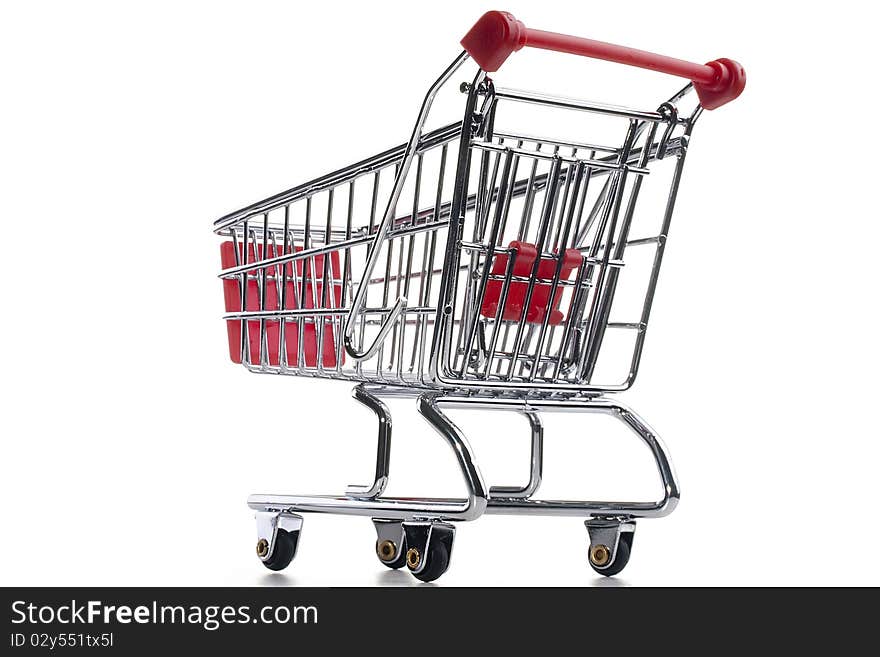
{"x":455,"y":374}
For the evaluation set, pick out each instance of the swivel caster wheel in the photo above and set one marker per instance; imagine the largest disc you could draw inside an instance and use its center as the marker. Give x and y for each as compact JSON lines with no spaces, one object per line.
{"x":282,"y":555}
{"x":277,"y":538}
{"x":429,"y":548}
{"x":437,"y":562}
{"x":610,"y":544}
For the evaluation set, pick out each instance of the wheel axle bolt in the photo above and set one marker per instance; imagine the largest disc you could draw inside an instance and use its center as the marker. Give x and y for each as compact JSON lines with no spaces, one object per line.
{"x":413,"y":558}
{"x":386,"y":550}
{"x":262,"y":548}
{"x":600,"y":555}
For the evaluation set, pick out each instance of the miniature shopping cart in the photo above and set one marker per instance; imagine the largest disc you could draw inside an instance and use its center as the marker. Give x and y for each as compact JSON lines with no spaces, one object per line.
{"x":480,"y":265}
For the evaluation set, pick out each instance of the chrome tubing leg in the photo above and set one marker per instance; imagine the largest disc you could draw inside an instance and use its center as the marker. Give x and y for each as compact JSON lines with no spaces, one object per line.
{"x":671,"y":491}
{"x":527,"y":506}
{"x":662,"y":507}
{"x":477,"y":496}
{"x":383,"y":450}
{"x":537,"y":464}
{"x":398,"y":508}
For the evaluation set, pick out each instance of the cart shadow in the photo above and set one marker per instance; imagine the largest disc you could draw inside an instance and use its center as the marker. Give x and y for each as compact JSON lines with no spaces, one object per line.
{"x":398,"y":578}
{"x":276,"y":579}
{"x":610,"y":583}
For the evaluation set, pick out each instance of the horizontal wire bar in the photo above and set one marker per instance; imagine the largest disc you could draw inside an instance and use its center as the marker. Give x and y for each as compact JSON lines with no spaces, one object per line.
{"x":318,"y":312}
{"x":637,"y":326}
{"x":523,"y":152}
{"x":340,"y":177}
{"x":336,"y":246}
{"x":563,"y":102}
{"x":555,"y":142}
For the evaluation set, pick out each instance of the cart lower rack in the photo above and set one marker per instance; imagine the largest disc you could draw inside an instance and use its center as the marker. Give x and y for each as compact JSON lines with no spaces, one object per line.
{"x":479,"y":265}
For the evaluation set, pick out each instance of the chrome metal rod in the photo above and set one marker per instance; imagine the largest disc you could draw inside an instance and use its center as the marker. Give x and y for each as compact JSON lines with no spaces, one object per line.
{"x":359,"y":353}
{"x":536,"y":464}
{"x":383,"y":449}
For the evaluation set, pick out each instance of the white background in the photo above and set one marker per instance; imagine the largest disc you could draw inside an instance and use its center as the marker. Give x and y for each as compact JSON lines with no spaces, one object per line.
{"x":130,"y":442}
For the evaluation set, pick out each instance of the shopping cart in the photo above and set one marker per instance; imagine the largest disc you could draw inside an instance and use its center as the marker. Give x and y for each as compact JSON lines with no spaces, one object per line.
{"x":479,"y":265}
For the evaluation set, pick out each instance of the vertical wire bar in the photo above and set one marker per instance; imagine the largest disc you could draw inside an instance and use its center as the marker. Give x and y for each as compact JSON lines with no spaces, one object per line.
{"x":313,"y":277}
{"x":499,"y":311}
{"x":593,"y":338}
{"x":325,"y":279}
{"x":503,"y":230}
{"x":398,"y":281}
{"x":628,"y":215}
{"x":503,"y":345}
{"x":559,"y":247}
{"x":441,"y":354}
{"x":658,"y":260}
{"x":423,"y":276}
{"x":547,"y":349}
{"x":480,"y":223}
{"x":362,"y":318}
{"x":588,"y":176}
{"x":482,"y":198}
{"x":576,"y":296}
{"x":491,"y":196}
{"x":564,"y":204}
{"x":496,"y":328}
{"x":560,"y":259}
{"x":544,"y":225}
{"x":564,"y":174}
{"x":409,"y":262}
{"x":264,"y":342}
{"x":386,"y":285}
{"x":530,"y":333}
{"x":296,"y":293}
{"x":529,"y":201}
{"x":480,"y":291}
{"x":242,"y":284}
{"x":245,"y":327}
{"x":429,"y":269}
{"x":603,"y":202}
{"x":598,"y":206}
{"x":600,"y":203}
{"x":345,"y":292}
{"x":374,"y":202}
{"x":617,"y":249}
{"x":281,"y":273}
{"x":406,"y":285}
{"x":307,"y":244}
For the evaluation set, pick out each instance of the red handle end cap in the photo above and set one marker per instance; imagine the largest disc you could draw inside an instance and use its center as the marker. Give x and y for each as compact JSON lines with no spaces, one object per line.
{"x":493,"y":38}
{"x":729,"y":83}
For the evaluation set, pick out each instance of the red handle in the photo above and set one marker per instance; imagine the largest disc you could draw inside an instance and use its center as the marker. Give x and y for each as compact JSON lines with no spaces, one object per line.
{"x":498,"y":34}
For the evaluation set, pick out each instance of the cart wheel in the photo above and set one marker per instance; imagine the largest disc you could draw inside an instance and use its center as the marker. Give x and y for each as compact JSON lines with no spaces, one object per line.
{"x":438,"y":561}
{"x":285,"y":549}
{"x":598,"y":552}
{"x":390,"y":554}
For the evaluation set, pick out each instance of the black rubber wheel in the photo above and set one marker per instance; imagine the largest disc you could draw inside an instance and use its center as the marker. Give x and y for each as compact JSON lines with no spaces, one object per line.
{"x":438,"y":562}
{"x":285,"y":549}
{"x":399,"y":562}
{"x":620,"y":559}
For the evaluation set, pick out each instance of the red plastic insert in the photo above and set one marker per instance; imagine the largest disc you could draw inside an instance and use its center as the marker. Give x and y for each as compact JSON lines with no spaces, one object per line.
{"x":524,"y":260}
{"x":314,"y":298}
